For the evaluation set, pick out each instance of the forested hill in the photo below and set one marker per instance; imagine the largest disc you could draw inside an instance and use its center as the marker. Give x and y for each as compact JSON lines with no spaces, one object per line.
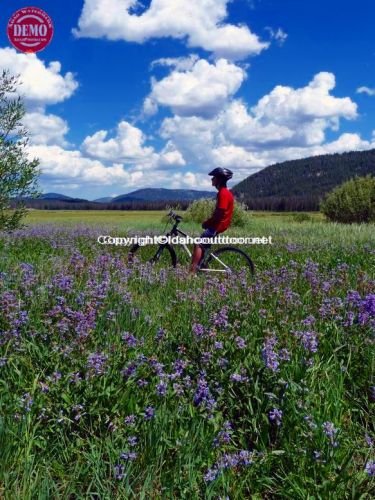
{"x":307,"y":179}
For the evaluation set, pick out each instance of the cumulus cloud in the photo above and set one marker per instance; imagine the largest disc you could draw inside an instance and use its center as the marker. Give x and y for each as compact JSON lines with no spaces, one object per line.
{"x":42,"y":84}
{"x":202,"y":90}
{"x":46,"y":129}
{"x":285,"y":124}
{"x":200,"y":22}
{"x":70,"y":169}
{"x":366,"y":90}
{"x":128,"y":147}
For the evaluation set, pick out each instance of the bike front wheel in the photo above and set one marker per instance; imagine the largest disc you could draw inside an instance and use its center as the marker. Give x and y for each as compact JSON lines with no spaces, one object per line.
{"x":164,"y":255}
{"x":228,"y":260}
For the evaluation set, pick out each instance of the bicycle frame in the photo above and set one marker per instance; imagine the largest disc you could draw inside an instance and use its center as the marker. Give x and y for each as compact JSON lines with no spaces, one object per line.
{"x":175,"y":232}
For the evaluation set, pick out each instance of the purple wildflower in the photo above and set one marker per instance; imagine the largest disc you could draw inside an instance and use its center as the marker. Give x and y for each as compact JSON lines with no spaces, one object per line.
{"x":132,"y":440}
{"x":370,"y":468}
{"x":119,"y":471}
{"x":241,"y":344}
{"x":220,"y":318}
{"x":198,"y":330}
{"x":211,"y":475}
{"x":96,"y":362}
{"x":161,"y":388}
{"x":149,"y":413}
{"x":270,"y":356}
{"x":218,"y":345}
{"x":330,"y":431}
{"x":275,"y":415}
{"x":129,"y":455}
{"x":130,"y":420}
{"x":27,"y":401}
{"x":130,"y":340}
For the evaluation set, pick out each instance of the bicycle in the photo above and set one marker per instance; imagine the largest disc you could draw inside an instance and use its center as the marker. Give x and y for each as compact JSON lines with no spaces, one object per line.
{"x":223,"y":260}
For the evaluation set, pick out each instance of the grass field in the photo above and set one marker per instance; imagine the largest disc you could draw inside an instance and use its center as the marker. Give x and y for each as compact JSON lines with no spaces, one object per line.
{"x":137,"y":382}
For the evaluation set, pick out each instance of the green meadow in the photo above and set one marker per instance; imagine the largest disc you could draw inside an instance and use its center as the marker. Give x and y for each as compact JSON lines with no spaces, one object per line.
{"x":136,"y":381}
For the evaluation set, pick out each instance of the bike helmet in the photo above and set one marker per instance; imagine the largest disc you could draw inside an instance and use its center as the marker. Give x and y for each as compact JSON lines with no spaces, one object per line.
{"x":224,"y":173}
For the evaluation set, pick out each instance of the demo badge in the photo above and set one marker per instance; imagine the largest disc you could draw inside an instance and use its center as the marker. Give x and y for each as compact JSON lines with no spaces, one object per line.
{"x":30,"y":29}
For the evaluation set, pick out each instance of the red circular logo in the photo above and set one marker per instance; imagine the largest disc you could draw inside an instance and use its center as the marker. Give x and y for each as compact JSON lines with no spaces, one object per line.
{"x":30,"y":29}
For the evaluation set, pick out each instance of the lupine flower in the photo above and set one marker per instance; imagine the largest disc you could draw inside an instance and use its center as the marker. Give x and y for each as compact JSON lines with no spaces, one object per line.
{"x":96,"y":362}
{"x":370,"y":468}
{"x":220,"y":318}
{"x":237,"y":377}
{"x":132,"y":440}
{"x":330,"y":431}
{"x":27,"y":401}
{"x":149,"y":413}
{"x":129,"y":455}
{"x":369,"y":441}
{"x":130,"y":340}
{"x":211,"y":475}
{"x":218,"y":345}
{"x":160,"y":334}
{"x":130,"y":420}
{"x":203,"y":396}
{"x":241,"y":344}
{"x":276,"y":415}
{"x":198,"y":330}
{"x":161,"y":388}
{"x":270,"y":356}
{"x":119,"y":472}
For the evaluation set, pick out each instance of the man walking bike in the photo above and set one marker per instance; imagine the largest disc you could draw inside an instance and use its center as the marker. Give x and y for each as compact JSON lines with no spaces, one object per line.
{"x":221,"y":217}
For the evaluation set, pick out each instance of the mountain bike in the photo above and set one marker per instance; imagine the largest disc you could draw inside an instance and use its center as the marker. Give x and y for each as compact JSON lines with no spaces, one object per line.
{"x":222,"y":260}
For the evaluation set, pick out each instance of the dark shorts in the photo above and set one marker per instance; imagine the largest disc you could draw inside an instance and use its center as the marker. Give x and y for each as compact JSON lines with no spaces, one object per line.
{"x":207,"y":233}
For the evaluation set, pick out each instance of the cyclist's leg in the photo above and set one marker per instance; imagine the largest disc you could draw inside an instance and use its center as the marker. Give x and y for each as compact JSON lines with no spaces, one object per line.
{"x":200,"y":250}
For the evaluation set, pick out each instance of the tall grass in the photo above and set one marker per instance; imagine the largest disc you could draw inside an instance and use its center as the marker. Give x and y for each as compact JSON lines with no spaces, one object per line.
{"x":136,"y":382}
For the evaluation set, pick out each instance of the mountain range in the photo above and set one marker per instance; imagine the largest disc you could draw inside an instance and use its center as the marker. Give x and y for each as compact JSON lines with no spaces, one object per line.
{"x":290,"y":185}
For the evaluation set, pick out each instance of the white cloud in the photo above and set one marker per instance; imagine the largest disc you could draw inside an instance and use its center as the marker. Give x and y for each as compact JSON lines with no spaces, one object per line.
{"x":291,"y":106}
{"x":126,"y":146}
{"x":62,"y":168}
{"x":179,"y":63}
{"x":45,"y":129}
{"x":59,"y":163}
{"x":42,"y":84}
{"x":203,"y":90}
{"x":279,"y":35}
{"x":201,"y":22}
{"x":285,"y":124}
{"x":366,"y":90}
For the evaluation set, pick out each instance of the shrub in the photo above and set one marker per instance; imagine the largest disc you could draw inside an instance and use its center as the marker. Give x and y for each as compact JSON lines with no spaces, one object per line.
{"x":302,"y":217}
{"x":200,"y":210}
{"x":352,"y":202}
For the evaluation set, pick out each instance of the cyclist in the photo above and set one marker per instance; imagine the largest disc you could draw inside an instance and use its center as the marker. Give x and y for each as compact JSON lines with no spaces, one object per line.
{"x":221,"y":217}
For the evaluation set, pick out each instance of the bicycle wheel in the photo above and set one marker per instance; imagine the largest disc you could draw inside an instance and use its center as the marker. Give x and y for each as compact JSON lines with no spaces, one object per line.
{"x":228,"y":259}
{"x":164,"y":255}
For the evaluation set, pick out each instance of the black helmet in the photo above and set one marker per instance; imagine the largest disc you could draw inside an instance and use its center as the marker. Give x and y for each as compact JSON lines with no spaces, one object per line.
{"x":224,"y":173}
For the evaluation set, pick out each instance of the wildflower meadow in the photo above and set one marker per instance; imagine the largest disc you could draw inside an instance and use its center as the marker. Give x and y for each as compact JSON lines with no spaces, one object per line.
{"x":136,"y":381}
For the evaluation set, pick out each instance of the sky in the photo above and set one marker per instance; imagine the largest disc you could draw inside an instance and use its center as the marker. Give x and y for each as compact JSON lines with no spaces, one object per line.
{"x":156,"y":93}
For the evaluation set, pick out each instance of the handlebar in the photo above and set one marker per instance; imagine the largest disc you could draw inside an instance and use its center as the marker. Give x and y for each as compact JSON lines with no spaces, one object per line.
{"x":174,"y":216}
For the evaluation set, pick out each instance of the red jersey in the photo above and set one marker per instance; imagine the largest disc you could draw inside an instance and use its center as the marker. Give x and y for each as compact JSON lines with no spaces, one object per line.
{"x":222,"y":216}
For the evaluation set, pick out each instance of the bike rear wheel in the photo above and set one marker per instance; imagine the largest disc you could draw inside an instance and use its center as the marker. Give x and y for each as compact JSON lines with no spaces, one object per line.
{"x":163,"y":255}
{"x":228,"y":260}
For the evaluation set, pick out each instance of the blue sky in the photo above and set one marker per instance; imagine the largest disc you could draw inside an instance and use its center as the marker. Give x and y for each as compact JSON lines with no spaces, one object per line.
{"x":155,"y":94}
